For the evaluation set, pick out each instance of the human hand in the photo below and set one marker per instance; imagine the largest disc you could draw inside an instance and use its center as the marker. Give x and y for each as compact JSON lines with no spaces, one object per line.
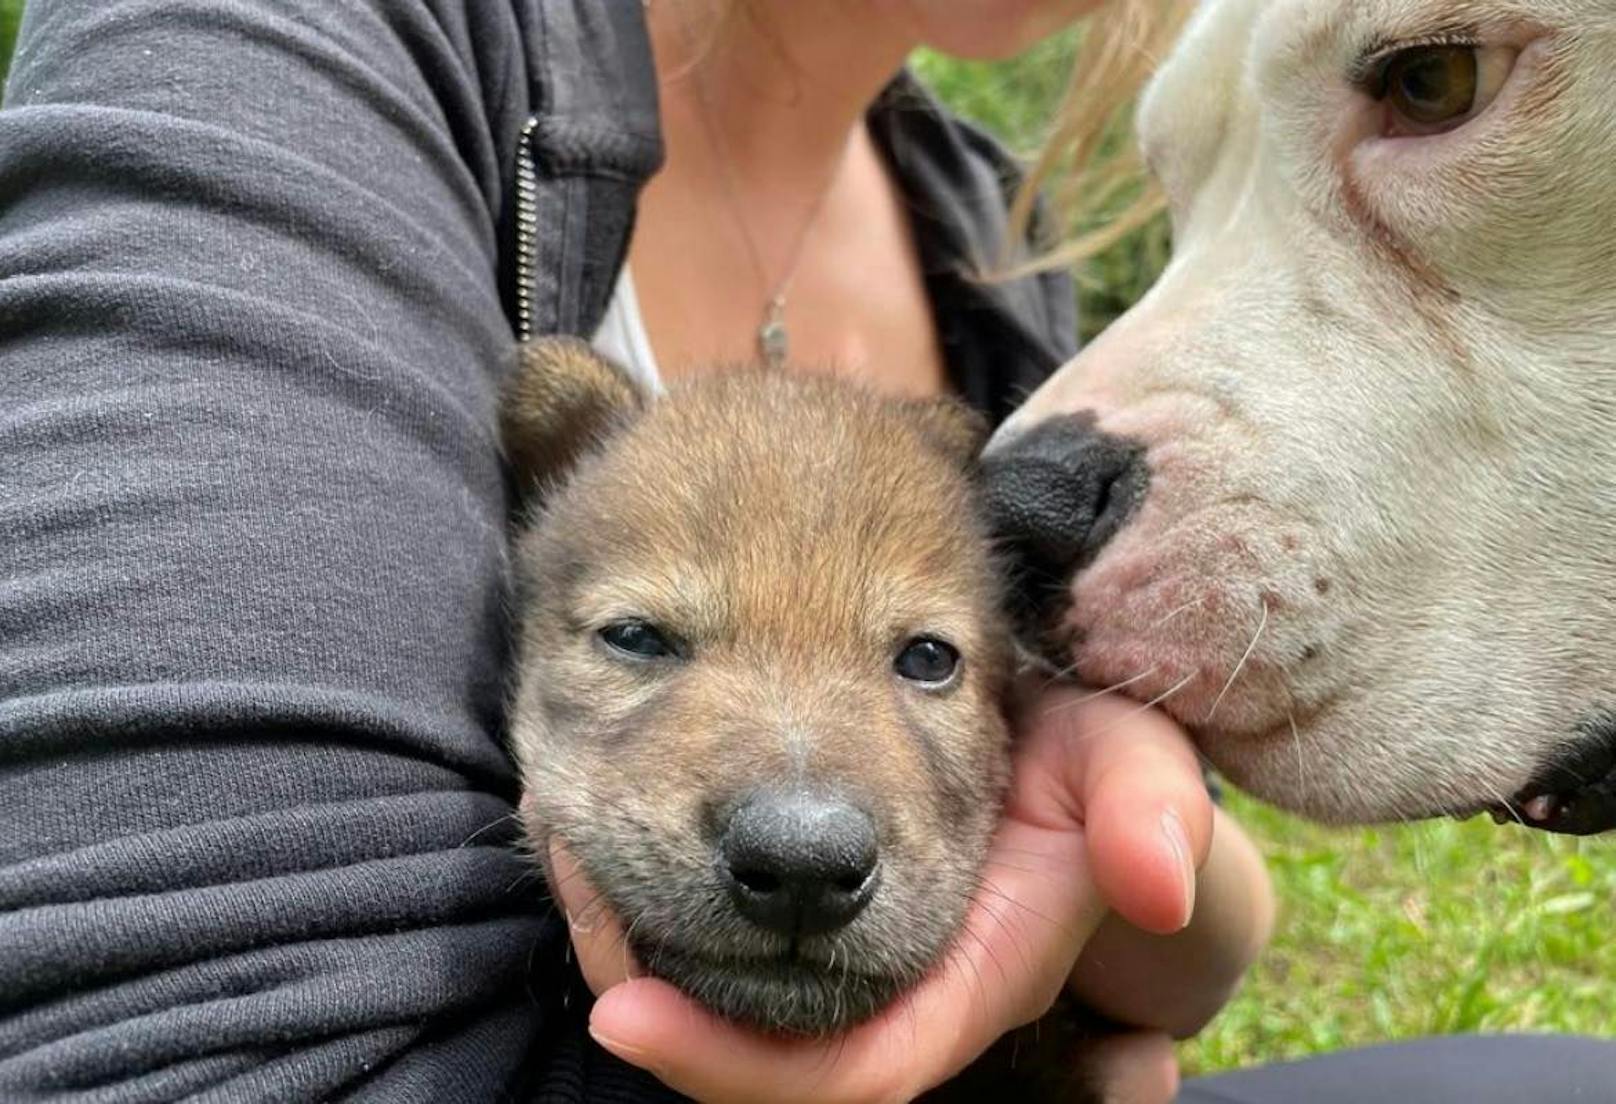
{"x":1107,"y":808}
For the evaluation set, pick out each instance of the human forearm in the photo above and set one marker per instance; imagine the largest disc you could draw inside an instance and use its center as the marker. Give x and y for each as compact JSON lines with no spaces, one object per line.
{"x":253,"y":808}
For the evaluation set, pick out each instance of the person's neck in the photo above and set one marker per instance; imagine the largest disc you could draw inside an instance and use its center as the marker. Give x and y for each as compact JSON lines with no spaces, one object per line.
{"x":782,"y":83}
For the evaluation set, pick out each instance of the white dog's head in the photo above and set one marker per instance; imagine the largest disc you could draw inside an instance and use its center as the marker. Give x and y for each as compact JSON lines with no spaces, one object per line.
{"x":1341,"y":491}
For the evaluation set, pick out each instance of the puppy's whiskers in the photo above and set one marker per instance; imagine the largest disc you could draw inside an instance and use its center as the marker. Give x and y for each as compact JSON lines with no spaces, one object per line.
{"x":580,"y":921}
{"x":1011,"y":866}
{"x":1011,"y":932}
{"x":510,"y":817}
{"x":988,"y":885}
{"x":625,"y":941}
{"x":975,"y":976}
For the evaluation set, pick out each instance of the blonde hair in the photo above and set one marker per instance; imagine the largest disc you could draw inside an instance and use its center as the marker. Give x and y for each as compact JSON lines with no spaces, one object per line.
{"x":1089,"y":163}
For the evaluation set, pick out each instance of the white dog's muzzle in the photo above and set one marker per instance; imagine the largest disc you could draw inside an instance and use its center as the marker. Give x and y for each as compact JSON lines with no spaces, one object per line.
{"x":1340,"y":492}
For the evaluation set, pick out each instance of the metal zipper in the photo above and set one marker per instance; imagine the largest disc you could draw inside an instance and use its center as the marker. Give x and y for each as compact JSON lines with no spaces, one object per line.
{"x":527,"y":227}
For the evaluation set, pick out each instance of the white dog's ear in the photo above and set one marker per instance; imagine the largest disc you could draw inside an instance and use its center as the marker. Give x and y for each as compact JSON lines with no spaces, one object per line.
{"x":563,"y":400}
{"x":951,"y":427}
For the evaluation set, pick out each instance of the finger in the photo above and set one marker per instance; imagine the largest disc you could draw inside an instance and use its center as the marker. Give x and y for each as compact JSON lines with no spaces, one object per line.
{"x":1132,"y":777}
{"x":650,"y":1024}
{"x":1137,"y":1068}
{"x":1021,"y":938}
{"x":597,"y":935}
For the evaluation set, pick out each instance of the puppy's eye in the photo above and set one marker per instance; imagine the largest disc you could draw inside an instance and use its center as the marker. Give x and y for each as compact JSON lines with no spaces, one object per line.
{"x":638,"y":640}
{"x":927,"y":661}
{"x":1433,"y":89}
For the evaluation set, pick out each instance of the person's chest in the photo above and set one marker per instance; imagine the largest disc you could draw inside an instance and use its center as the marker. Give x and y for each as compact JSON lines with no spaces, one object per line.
{"x":846,"y":273}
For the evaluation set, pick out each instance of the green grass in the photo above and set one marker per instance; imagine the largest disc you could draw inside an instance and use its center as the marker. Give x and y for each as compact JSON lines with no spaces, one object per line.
{"x":1384,"y":934}
{"x":1012,"y":99}
{"x":1016,"y":101}
{"x":10,"y":15}
{"x":1422,"y":929}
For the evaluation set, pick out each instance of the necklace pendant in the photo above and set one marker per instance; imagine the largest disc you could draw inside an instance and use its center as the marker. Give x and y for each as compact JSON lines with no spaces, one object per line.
{"x":774,"y":344}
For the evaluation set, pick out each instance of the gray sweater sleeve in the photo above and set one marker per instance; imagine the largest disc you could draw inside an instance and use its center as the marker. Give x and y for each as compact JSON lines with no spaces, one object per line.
{"x":255,"y":837}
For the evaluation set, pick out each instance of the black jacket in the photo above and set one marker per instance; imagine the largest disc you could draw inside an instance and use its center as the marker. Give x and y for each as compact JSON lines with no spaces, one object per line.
{"x":260,"y":270}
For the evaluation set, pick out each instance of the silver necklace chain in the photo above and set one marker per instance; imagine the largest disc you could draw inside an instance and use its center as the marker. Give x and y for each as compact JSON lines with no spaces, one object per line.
{"x":773,"y":340}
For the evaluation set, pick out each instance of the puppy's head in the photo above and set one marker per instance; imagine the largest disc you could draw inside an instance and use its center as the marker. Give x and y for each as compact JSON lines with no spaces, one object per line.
{"x":761,"y":666}
{"x":1341,"y":491}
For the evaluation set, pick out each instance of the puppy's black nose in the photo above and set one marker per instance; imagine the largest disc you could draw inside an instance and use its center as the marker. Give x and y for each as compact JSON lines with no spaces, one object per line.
{"x":799,"y":863}
{"x":1058,"y":492}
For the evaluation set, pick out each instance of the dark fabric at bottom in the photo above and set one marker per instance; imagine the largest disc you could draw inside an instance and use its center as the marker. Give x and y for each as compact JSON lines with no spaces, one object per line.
{"x":1470,"y":1069}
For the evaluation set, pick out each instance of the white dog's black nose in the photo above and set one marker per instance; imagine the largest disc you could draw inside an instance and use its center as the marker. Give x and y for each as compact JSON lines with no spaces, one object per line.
{"x":1056,"y":493}
{"x":799,"y":863}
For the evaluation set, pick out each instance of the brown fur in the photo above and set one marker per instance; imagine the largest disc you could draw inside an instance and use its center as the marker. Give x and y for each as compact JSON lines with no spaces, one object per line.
{"x":560,"y":402}
{"x":795,"y":534}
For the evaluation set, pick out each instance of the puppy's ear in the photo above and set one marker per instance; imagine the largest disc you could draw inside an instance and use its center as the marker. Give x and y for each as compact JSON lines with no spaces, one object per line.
{"x":950,"y":426}
{"x":563,"y":400}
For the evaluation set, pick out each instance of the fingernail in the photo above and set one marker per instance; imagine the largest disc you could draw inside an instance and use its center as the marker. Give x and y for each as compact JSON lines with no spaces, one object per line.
{"x":1178,"y":838}
{"x":633,"y":1055}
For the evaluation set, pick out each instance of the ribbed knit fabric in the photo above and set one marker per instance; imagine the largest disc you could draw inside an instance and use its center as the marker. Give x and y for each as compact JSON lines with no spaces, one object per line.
{"x":255,"y":834}
{"x":258,"y":285}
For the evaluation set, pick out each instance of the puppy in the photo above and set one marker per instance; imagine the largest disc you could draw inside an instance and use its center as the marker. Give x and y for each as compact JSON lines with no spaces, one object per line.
{"x":762,"y":660}
{"x":1340,"y":492}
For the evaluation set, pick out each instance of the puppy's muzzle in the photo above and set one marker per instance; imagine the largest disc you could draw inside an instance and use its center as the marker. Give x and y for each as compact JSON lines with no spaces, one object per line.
{"x":1056,"y":494}
{"x":799,"y":864}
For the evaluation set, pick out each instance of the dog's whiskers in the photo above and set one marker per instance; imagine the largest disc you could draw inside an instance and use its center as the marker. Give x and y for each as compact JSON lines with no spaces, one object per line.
{"x":1058,"y":674}
{"x":1170,"y":691}
{"x":1504,"y":802}
{"x":1143,"y":708}
{"x":1303,"y":786}
{"x":1171,"y":614}
{"x":1052,"y":673}
{"x":1113,"y":688}
{"x":1241,"y":666}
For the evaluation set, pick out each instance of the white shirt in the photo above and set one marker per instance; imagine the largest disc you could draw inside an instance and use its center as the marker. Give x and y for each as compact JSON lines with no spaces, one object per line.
{"x":622,"y":339}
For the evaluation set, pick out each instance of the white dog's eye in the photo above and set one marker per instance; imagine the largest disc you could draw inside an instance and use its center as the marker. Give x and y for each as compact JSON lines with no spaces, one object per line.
{"x":1436,"y":88}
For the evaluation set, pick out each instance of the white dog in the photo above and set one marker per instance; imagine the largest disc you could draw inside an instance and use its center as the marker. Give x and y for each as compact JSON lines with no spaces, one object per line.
{"x":1340,"y":493}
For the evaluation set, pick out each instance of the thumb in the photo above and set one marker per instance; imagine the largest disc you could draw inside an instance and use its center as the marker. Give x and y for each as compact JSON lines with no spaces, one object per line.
{"x":1132,"y":778}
